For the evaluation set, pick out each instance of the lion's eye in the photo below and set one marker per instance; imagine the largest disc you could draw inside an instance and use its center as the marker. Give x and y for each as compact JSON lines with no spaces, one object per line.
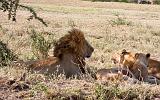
{"x":66,"y":46}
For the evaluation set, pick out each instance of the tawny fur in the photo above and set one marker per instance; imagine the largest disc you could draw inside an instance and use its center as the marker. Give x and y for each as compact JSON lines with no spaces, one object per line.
{"x":127,"y":59}
{"x":115,"y":74}
{"x":154,"y":68}
{"x":138,"y":66}
{"x":69,"y":56}
{"x":140,"y":71}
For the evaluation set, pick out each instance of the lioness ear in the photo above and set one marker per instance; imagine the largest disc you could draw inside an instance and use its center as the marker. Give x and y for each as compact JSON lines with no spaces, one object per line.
{"x":136,"y":55}
{"x":124,"y":51}
{"x":148,"y":55}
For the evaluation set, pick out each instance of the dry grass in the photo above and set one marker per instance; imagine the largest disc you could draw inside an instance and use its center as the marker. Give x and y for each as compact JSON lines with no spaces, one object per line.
{"x":104,"y":30}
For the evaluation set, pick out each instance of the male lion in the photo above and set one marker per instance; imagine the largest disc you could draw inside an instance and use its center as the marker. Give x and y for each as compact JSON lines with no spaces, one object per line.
{"x":69,"y":55}
{"x":127,"y":59}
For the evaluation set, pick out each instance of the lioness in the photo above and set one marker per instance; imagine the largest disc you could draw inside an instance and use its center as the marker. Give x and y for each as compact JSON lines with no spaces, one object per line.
{"x":127,"y":59}
{"x":138,"y":68}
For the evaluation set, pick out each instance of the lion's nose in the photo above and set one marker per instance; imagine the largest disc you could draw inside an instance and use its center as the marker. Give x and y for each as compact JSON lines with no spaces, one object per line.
{"x":88,"y":56}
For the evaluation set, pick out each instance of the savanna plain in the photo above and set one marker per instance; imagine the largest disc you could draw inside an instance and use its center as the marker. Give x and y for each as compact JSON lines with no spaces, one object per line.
{"x":109,"y":27}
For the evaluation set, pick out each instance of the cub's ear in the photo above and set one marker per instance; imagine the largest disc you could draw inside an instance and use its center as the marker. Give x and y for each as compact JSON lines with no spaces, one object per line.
{"x":136,"y":55}
{"x":148,"y":55}
{"x":124,"y":51}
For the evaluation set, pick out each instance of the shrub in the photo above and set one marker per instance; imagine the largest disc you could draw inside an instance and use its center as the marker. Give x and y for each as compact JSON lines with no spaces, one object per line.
{"x":120,"y":21}
{"x":6,"y":55}
{"x":157,"y":2}
{"x":11,"y":7}
{"x":104,"y":93}
{"x":40,"y":46}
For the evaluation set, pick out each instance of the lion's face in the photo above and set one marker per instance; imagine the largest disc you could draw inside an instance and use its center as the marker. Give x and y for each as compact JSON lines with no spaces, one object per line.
{"x":142,"y":58}
{"x":73,"y":43}
{"x":88,"y":49}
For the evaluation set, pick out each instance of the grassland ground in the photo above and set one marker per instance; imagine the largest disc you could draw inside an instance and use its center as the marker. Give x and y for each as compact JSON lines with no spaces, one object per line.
{"x":108,"y":26}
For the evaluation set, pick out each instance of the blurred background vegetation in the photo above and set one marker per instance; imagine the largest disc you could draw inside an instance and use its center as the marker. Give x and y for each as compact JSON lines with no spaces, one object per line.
{"x":127,"y":1}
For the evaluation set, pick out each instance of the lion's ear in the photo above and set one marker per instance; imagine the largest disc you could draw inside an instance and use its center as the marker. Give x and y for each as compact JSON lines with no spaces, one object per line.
{"x":148,"y":55}
{"x":136,"y":55}
{"x":124,"y":51}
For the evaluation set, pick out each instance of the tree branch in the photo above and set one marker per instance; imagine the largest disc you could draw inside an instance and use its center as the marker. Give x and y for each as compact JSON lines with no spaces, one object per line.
{"x":11,"y":7}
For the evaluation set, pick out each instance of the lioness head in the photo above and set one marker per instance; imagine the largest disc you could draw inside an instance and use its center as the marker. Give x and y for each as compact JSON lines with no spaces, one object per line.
{"x":142,"y":58}
{"x":73,"y":43}
{"x":127,"y":59}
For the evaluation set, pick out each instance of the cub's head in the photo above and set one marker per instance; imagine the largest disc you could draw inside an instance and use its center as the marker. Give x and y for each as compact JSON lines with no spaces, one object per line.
{"x":142,"y":58}
{"x":125,"y":58}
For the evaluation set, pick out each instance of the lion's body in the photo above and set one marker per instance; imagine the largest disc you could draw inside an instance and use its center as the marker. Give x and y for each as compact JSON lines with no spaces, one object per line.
{"x":56,"y":66}
{"x":115,"y":74}
{"x":154,"y":68}
{"x":102,"y":72}
{"x":128,"y":60}
{"x":139,"y":66}
{"x":69,"y":55}
{"x":108,"y":74}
